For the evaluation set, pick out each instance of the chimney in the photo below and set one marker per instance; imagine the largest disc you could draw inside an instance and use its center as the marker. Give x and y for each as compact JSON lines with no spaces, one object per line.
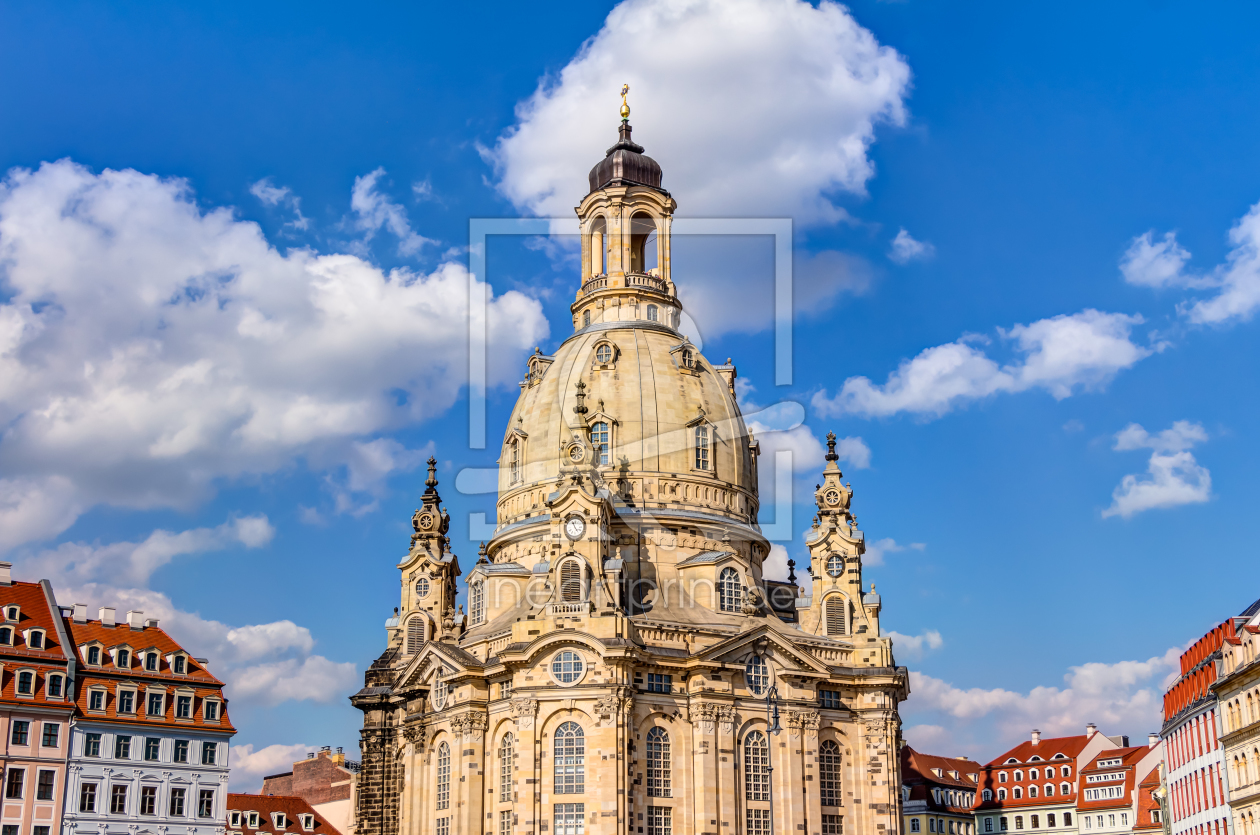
{"x":1152,"y":739}
{"x":80,"y":613}
{"x":150,"y":622}
{"x":6,"y":577}
{"x":107,"y":615}
{"x":1036,"y":737}
{"x":1090,"y":730}
{"x":135,"y":619}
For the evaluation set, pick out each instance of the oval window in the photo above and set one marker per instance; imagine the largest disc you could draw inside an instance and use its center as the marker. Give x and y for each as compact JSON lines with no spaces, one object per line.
{"x":757,"y":676}
{"x":567,"y":667}
{"x":603,"y":354}
{"x":422,"y":587}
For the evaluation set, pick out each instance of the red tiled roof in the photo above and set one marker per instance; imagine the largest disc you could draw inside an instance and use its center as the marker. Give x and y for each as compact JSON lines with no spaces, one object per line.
{"x":1027,"y":756}
{"x":265,"y":804}
{"x":33,"y":613}
{"x":918,"y":771}
{"x":1068,"y":746}
{"x":197,"y":679}
{"x":1129,"y":758}
{"x":1148,"y":803}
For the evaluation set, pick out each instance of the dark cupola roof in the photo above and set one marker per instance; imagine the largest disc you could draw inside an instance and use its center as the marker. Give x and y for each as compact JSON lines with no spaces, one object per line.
{"x":625,"y":164}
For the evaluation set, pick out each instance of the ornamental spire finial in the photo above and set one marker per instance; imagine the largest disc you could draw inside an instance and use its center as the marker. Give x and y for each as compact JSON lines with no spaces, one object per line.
{"x":432,"y":481}
{"x":625,"y":108}
{"x":831,"y":447}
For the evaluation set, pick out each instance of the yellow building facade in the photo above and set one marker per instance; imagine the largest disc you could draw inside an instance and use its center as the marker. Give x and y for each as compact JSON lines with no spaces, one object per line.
{"x":622,"y":666}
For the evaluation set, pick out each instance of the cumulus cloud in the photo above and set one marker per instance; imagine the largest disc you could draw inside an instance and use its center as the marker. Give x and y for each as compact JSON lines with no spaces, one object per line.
{"x":876,"y":551}
{"x":1236,"y":283}
{"x":791,"y":94}
{"x":1124,"y":697}
{"x":272,"y":195}
{"x":775,"y":565}
{"x":905,"y":249}
{"x":914,"y":646}
{"x":1174,"y":477}
{"x":374,"y":212}
{"x":249,"y":766}
{"x":1061,"y":355}
{"x":149,"y":349}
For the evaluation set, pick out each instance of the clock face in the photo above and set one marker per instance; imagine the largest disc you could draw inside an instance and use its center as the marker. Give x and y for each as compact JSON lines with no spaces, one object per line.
{"x":832,"y":497}
{"x":574,"y":527}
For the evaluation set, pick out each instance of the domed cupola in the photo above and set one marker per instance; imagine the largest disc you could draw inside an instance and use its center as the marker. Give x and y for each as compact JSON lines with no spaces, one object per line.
{"x":626,"y":164}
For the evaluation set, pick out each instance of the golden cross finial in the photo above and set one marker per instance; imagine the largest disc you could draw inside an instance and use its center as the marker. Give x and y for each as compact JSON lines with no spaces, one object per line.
{"x":625,"y":108}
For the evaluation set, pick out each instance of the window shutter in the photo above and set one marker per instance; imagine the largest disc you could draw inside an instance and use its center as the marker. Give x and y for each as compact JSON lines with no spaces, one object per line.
{"x":835,"y":616}
{"x":571,"y":582}
{"x":415,"y":635}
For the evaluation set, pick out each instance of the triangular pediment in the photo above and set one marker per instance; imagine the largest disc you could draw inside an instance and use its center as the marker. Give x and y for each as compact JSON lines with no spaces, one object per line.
{"x":436,"y":656}
{"x":767,"y":641}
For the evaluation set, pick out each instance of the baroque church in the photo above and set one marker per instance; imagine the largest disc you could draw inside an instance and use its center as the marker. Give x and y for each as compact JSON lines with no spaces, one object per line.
{"x":623,"y":666}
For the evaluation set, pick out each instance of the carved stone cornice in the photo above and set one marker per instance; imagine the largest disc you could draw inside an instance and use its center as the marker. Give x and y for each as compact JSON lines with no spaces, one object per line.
{"x":470,"y":725}
{"x":803,"y":720}
{"x":523,"y":711}
{"x":706,"y":715}
{"x":610,"y":706}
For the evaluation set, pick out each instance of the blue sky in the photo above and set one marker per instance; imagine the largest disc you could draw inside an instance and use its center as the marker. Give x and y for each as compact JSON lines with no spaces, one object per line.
{"x":231,"y":312}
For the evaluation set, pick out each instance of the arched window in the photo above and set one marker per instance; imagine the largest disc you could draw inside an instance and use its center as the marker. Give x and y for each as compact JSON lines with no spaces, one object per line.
{"x":658,"y":770}
{"x":702,"y":447}
{"x":829,"y":773}
{"x":586,"y":318}
{"x":506,"y":765}
{"x":914,"y":825}
{"x":597,"y":246}
{"x":440,"y":689}
{"x":444,"y":776}
{"x":514,"y":462}
{"x":599,"y":440}
{"x":651,"y":313}
{"x":835,"y":615}
{"x":571,"y":581}
{"x":730,"y":591}
{"x":422,"y":587}
{"x":415,"y":635}
{"x":151,"y":662}
{"x":756,"y":767}
{"x":757,"y":675}
{"x":688,"y":358}
{"x":603,"y":354}
{"x":476,"y":602}
{"x":568,"y":753}
{"x":93,"y":653}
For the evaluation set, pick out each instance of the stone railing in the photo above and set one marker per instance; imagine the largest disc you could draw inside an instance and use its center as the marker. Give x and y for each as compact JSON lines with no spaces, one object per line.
{"x":645,"y":280}
{"x":566,"y":608}
{"x":598,"y":282}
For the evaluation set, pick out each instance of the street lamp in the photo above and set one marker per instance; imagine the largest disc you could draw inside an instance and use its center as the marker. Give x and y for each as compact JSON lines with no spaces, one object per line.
{"x":772,"y":725}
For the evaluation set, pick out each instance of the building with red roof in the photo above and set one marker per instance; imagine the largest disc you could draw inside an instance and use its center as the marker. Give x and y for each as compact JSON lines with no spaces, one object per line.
{"x":1192,"y":729}
{"x":149,"y":748}
{"x":268,"y":814}
{"x":1032,"y":787}
{"x":1107,"y":795}
{"x":326,"y":780}
{"x":1150,"y":806}
{"x":937,"y":793}
{"x":35,"y":706}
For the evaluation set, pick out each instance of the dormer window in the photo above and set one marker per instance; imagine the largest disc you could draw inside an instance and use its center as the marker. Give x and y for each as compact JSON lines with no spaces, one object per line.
{"x":151,"y":662}
{"x":279,"y":819}
{"x":234,"y":818}
{"x":6,"y":636}
{"x":96,"y":700}
{"x":211,"y":710}
{"x":122,"y":659}
{"x":253,"y":820}
{"x":12,"y":613}
{"x":688,"y":358}
{"x":26,"y":683}
{"x":599,"y":441}
{"x":53,"y":686}
{"x":308,"y":822}
{"x":156,"y":706}
{"x":183,"y":707}
{"x":126,"y":701}
{"x":94,"y":656}
{"x":180,"y":665}
{"x":604,"y":354}
{"x":35,"y":639}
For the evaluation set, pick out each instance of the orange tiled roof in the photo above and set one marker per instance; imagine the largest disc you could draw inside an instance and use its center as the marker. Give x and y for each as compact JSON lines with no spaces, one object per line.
{"x":1027,"y":756}
{"x":1148,"y":803}
{"x":197,"y":679}
{"x":33,"y":613}
{"x":265,"y":804}
{"x":1129,"y":757}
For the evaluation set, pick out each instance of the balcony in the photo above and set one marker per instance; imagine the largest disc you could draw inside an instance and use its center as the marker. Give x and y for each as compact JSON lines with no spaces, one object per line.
{"x":567,"y":608}
{"x":598,"y":282}
{"x":645,"y":280}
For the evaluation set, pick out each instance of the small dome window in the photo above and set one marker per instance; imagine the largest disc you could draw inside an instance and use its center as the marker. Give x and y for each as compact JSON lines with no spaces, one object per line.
{"x":604,"y":354}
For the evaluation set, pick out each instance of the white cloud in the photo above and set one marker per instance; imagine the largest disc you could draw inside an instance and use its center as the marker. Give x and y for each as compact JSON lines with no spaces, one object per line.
{"x":422,"y":190}
{"x":1124,"y":697}
{"x":249,"y":767}
{"x":1162,"y":263}
{"x":374,"y":211}
{"x":1175,"y":477}
{"x":775,"y":566}
{"x":914,"y":646}
{"x":1060,"y":355}
{"x":149,"y":349}
{"x":761,"y":107}
{"x":876,"y":551}
{"x":905,"y":249}
{"x":314,"y":677}
{"x":1151,"y":263}
{"x":272,"y":195}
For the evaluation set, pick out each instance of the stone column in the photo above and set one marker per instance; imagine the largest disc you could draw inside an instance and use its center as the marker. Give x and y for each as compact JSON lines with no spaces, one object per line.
{"x":469,"y":731}
{"x":728,"y":769}
{"x":528,"y":805}
{"x":704,"y":771}
{"x":802,"y":726}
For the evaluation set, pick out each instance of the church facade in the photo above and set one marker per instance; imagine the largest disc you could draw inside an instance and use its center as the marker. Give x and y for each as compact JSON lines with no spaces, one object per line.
{"x":623,"y":667}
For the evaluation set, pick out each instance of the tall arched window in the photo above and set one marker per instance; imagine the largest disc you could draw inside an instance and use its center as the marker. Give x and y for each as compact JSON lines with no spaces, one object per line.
{"x":599,"y":440}
{"x":514,"y":462}
{"x":835,"y":615}
{"x":829,"y":773}
{"x":506,"y":750}
{"x":415,"y":635}
{"x":702,"y":447}
{"x":568,"y":752}
{"x":444,"y":777}
{"x":756,"y":767}
{"x":597,"y":246}
{"x":756,"y":675}
{"x":571,"y":581}
{"x":730,"y":591}
{"x":586,"y":318}
{"x":476,"y":602}
{"x":651,"y":312}
{"x":658,"y":771}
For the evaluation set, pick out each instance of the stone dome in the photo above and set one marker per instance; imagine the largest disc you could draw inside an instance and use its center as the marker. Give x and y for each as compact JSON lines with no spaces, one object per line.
{"x":654,"y":391}
{"x":625,"y":163}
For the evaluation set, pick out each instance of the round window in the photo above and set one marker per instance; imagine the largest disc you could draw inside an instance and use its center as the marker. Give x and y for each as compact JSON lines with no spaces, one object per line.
{"x":567,"y":667}
{"x":422,"y":587}
{"x":604,"y":354}
{"x":757,"y":676}
{"x":835,"y":565}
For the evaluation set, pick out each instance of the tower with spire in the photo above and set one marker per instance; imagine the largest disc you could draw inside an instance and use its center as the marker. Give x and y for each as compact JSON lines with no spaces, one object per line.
{"x":624,"y":664}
